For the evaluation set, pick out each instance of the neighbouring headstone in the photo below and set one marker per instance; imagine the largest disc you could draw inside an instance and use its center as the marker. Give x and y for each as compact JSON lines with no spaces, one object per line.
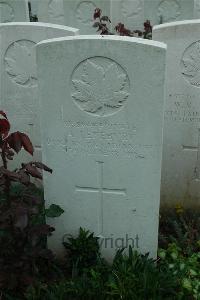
{"x":103,"y":137}
{"x":164,"y":11}
{"x":133,"y":13}
{"x":18,"y":79}
{"x":14,"y":11}
{"x":128,"y":12}
{"x":181,"y":149}
{"x":196,"y":9}
{"x":51,"y":11}
{"x":80,"y":13}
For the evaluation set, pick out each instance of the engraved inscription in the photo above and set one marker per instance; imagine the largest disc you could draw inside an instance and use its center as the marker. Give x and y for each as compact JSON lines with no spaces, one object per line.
{"x":168,"y":10}
{"x":55,"y":10}
{"x":84,"y":12}
{"x":100,"y":86}
{"x":130,"y":8}
{"x":196,"y":176}
{"x":190,"y":64}
{"x":87,"y":139}
{"x":183,"y":108}
{"x":6,"y":13}
{"x":102,"y":191}
{"x":20,"y":63}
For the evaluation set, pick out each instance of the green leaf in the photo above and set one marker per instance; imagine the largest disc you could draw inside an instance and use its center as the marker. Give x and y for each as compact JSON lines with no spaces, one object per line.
{"x":54,"y":211}
{"x":187,"y":284}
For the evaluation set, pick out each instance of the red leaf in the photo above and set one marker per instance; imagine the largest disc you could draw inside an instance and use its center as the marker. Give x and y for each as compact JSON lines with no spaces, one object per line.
{"x":3,"y":114}
{"x":97,"y":13}
{"x":26,"y":143}
{"x":42,"y":166}
{"x":14,"y":141}
{"x":33,"y":171}
{"x":147,"y":26}
{"x":4,"y":127}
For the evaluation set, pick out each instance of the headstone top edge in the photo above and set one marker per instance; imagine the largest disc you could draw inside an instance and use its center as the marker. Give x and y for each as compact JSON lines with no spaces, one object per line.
{"x":105,"y":38}
{"x":39,"y":24}
{"x":176,"y":24}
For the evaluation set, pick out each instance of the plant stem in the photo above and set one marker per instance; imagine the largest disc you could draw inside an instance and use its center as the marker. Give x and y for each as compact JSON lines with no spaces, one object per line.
{"x":7,"y":180}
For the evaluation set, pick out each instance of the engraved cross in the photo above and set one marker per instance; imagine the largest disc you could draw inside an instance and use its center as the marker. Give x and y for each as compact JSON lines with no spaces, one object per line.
{"x":101,"y":190}
{"x":197,"y":165}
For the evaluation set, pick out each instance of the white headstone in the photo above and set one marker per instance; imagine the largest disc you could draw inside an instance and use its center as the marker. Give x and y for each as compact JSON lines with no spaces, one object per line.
{"x":14,"y":11}
{"x":51,"y":11}
{"x":103,"y":137}
{"x":164,"y":11}
{"x":18,"y":85}
{"x":79,"y":13}
{"x":133,"y":13}
{"x":197,"y":9}
{"x":128,"y":12}
{"x":181,"y":149}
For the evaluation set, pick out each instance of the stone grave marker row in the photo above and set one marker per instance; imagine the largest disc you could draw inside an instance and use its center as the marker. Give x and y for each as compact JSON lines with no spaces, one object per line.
{"x":133,"y":13}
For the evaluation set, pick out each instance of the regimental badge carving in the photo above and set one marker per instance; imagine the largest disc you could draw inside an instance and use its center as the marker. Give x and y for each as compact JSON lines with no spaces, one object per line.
{"x":85,"y":11}
{"x":20,"y":63}
{"x":190,"y":64}
{"x":6,"y":13}
{"x":56,"y":11}
{"x":168,"y":10}
{"x":100,"y":86}
{"x":130,"y":8}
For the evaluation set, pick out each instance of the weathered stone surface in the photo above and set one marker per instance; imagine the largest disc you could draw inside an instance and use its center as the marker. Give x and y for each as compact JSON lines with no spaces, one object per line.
{"x":18,"y":79}
{"x":169,"y":10}
{"x":79,"y":13}
{"x":103,"y":137}
{"x":13,"y":11}
{"x":133,"y":13}
{"x":196,"y":9}
{"x":51,"y":11}
{"x":181,"y":149}
{"x":128,"y":12}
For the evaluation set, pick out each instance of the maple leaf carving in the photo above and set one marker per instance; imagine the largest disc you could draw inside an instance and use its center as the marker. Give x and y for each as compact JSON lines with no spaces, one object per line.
{"x":131,"y":8}
{"x":169,"y":10}
{"x":84,"y":12}
{"x":100,"y":89}
{"x":6,"y":13}
{"x":21,"y":64}
{"x":191,"y":64}
{"x":56,"y":11}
